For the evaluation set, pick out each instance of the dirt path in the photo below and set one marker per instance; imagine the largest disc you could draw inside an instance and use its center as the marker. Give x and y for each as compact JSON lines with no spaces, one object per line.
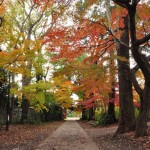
{"x":69,"y":136}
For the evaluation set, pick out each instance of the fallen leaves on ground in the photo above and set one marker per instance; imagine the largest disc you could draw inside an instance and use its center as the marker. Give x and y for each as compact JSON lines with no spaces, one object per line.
{"x":26,"y":136}
{"x":105,"y":140}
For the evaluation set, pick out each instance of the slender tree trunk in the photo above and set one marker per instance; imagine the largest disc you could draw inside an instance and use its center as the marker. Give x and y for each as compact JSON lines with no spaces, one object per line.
{"x":111,"y":118}
{"x":127,"y":117}
{"x":11,"y":108}
{"x":111,"y":107}
{"x":25,"y":108}
{"x":12,"y":99}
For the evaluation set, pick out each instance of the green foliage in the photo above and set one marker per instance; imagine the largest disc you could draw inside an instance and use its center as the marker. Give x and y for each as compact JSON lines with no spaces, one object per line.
{"x":102,"y":117}
{"x":37,"y":93}
{"x":35,"y":118}
{"x":80,"y":94}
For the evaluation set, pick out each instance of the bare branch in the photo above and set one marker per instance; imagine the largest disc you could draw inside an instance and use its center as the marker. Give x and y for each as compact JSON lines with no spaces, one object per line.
{"x":27,"y":14}
{"x":111,"y":33}
{"x":143,"y":40}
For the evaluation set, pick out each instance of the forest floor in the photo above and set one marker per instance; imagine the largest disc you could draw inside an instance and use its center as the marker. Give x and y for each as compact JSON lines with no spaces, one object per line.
{"x":27,"y":137}
{"x":104,"y":138}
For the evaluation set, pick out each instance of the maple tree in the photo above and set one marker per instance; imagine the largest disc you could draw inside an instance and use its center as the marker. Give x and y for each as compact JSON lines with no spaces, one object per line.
{"x":68,"y":48}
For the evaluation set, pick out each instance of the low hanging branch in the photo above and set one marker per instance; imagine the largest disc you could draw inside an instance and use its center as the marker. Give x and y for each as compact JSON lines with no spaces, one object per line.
{"x":143,"y":40}
{"x":1,"y":2}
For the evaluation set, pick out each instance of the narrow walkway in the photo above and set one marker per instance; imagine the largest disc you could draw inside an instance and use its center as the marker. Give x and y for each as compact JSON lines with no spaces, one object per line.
{"x":69,"y":136}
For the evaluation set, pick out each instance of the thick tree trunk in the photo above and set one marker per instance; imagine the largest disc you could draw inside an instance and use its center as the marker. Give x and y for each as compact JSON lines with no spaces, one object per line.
{"x":91,"y":114}
{"x":25,"y":102}
{"x":127,"y":117}
{"x":143,"y":64}
{"x":141,"y":127}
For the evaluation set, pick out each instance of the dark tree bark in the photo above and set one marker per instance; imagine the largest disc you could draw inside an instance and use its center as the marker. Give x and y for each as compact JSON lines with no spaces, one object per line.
{"x":143,"y":64}
{"x":84,"y":116}
{"x":91,"y":114}
{"x":111,"y":118}
{"x":25,"y":107}
{"x":127,"y":117}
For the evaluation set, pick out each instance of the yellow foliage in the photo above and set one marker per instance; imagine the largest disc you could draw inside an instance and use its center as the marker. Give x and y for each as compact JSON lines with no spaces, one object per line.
{"x":62,"y":91}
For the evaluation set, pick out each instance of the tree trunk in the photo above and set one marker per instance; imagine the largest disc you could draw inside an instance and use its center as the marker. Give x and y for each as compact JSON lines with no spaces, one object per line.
{"x":143,"y":64}
{"x":111,"y":118}
{"x":127,"y":117}
{"x":25,"y":102}
{"x":84,"y":116}
{"x":12,"y":99}
{"x":12,"y":108}
{"x":141,"y":127}
{"x":91,"y":114}
{"x":25,"y":108}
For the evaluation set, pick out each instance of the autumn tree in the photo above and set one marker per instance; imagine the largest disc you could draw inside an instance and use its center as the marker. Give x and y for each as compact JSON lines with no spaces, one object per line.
{"x":22,"y":40}
{"x":87,"y":38}
{"x":127,"y":118}
{"x":136,"y":43}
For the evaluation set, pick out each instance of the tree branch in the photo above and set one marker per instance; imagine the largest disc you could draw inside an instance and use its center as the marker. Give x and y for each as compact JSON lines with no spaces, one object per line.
{"x":122,"y":3}
{"x":135,"y":2}
{"x":136,"y":85}
{"x":143,"y":40}
{"x":1,"y":2}
{"x":111,"y":33}
{"x":138,"y":89}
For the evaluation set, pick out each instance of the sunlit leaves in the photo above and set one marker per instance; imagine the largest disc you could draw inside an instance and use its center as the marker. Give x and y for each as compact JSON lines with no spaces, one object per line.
{"x":62,"y":91}
{"x":35,"y":93}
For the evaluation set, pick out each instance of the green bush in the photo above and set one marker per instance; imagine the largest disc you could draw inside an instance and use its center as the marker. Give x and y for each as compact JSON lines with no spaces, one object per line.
{"x":103,"y":118}
{"x":100,"y":118}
